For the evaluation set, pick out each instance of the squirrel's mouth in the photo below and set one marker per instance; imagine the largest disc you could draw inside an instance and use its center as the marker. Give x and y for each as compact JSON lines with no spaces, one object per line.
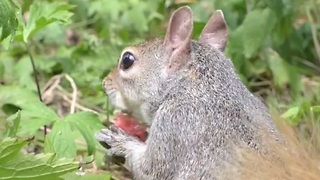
{"x":124,"y":112}
{"x":117,"y":101}
{"x":120,"y":104}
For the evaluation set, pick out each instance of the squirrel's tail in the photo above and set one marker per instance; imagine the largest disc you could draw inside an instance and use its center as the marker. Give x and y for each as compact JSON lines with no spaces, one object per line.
{"x":298,"y":159}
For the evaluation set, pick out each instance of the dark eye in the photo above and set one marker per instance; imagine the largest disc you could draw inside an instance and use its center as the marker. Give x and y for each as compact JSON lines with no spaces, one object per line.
{"x":127,"y":60}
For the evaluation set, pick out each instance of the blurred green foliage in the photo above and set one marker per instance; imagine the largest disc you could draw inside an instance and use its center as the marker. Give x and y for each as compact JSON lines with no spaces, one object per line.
{"x":274,"y":45}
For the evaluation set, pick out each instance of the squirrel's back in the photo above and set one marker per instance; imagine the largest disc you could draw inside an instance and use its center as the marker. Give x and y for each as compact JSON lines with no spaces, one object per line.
{"x":208,"y":109}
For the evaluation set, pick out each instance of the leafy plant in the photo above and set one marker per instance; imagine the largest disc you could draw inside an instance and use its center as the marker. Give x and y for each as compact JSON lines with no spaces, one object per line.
{"x":15,"y":165}
{"x":60,"y":143}
{"x":73,"y":44}
{"x":8,"y":22}
{"x":43,"y":14}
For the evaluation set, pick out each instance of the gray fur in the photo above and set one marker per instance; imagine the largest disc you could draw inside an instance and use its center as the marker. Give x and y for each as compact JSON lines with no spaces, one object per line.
{"x":199,"y":116}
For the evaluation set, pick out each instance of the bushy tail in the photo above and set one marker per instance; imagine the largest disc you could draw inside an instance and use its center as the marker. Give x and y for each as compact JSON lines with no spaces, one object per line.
{"x":298,"y":159}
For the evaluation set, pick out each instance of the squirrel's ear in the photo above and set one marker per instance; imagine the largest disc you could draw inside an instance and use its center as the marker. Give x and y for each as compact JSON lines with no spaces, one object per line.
{"x":178,"y":37}
{"x":215,"y":32}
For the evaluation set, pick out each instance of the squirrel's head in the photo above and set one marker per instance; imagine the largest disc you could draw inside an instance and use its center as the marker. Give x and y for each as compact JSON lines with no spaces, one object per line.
{"x":143,"y":70}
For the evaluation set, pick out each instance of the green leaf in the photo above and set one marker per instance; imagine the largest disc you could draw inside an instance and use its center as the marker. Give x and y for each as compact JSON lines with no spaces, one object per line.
{"x":104,"y":176}
{"x":8,"y":20}
{"x":39,"y":110}
{"x":42,"y":14}
{"x":15,"y":165}
{"x":138,"y":18}
{"x":36,"y":115}
{"x":61,"y":139}
{"x":277,"y":6}
{"x":315,"y":108}
{"x":6,"y":42}
{"x":279,"y":69}
{"x":9,"y":148}
{"x":48,"y":145}
{"x":17,"y":95}
{"x":2,"y":70}
{"x":284,"y":73}
{"x":293,"y":114}
{"x":23,"y":72}
{"x":12,"y":125}
{"x":88,"y":124}
{"x":295,"y":80}
{"x":253,"y":32}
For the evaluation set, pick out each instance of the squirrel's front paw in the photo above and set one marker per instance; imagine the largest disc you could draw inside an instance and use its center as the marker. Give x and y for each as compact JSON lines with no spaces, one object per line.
{"x":116,"y":139}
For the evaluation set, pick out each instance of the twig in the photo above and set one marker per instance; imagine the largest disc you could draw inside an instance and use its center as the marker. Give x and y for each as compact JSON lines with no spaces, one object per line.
{"x":51,"y":85}
{"x":66,"y":98}
{"x":54,"y":83}
{"x":74,"y":93}
{"x":63,"y":91}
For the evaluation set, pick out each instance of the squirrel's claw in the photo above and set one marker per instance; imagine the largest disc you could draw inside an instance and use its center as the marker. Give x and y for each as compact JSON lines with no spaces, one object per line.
{"x":115,"y":139}
{"x":116,"y":129}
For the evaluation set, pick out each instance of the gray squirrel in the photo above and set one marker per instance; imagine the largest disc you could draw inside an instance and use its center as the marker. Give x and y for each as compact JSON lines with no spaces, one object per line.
{"x":188,"y":92}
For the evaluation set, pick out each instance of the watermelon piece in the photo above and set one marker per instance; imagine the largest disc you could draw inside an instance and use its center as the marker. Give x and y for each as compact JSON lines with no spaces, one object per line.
{"x":131,"y":126}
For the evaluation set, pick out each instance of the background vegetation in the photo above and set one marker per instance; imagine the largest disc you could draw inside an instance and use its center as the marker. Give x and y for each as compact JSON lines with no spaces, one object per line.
{"x":73,"y":44}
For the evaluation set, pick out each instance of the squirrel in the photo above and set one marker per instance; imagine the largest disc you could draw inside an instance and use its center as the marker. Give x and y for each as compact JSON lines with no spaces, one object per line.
{"x":199,"y":112}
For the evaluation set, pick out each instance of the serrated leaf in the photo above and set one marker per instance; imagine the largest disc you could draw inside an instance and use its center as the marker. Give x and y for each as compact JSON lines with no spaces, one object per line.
{"x":48,"y":145}
{"x":87,"y":135}
{"x":17,"y":95}
{"x":43,"y":14}
{"x":87,"y":123}
{"x":8,"y":20}
{"x":39,"y":110}
{"x":61,"y":139}
{"x":10,"y":147}
{"x":12,"y":125}
{"x":35,"y":115}
{"x":26,"y":166}
{"x":6,"y":42}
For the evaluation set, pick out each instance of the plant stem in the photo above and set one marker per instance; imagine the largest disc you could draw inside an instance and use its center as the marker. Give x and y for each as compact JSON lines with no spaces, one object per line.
{"x":36,"y":79}
{"x":35,"y":73}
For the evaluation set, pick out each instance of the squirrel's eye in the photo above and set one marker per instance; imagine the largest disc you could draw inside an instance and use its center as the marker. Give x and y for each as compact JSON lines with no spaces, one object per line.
{"x":127,"y":60}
